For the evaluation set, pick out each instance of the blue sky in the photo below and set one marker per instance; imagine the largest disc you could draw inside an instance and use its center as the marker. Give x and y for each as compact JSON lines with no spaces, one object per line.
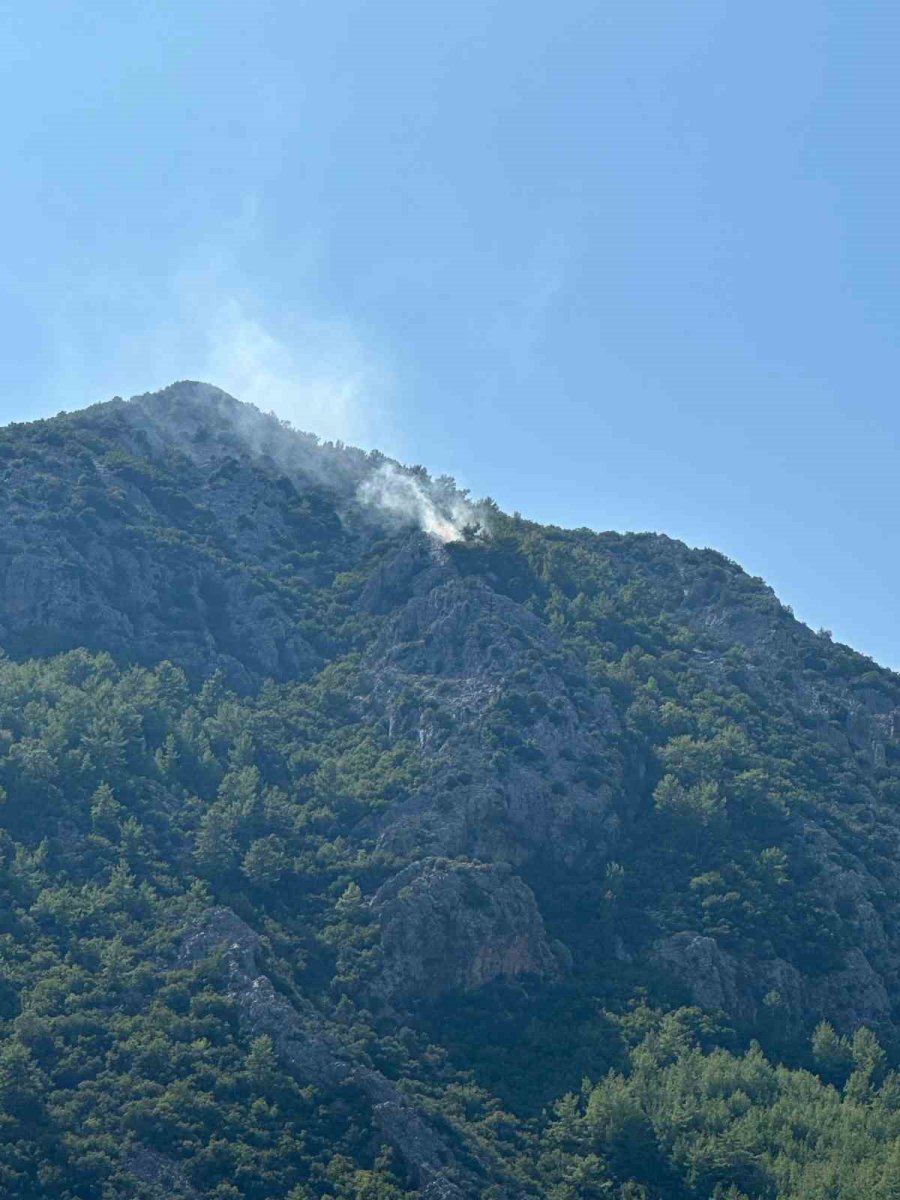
{"x":629,"y":266}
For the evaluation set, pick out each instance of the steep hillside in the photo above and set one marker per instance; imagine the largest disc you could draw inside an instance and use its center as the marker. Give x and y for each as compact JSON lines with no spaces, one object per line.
{"x":349,"y":826}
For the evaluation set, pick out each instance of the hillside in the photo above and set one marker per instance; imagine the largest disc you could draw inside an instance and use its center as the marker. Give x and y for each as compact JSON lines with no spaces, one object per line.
{"x":359,"y":840}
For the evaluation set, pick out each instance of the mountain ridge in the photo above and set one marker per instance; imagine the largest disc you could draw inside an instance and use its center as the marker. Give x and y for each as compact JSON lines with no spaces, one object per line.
{"x":498,"y":789}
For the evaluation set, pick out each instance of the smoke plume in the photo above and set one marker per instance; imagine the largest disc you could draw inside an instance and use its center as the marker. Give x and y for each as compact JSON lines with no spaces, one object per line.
{"x":438,"y":508}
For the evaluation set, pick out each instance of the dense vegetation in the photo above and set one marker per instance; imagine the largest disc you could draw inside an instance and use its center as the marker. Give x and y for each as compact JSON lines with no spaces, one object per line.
{"x":744,"y":775}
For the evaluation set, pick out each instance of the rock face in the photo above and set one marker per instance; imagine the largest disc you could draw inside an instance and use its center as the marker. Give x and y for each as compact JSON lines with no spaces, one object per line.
{"x":522,"y":765}
{"x":123,"y":598}
{"x":715,"y":980}
{"x":852,"y":996}
{"x":710,"y":975}
{"x":312,"y":1051}
{"x":521,"y":769}
{"x":455,"y":926}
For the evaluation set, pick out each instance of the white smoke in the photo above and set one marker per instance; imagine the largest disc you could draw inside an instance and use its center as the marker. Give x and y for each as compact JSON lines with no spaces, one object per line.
{"x":315,"y":374}
{"x":208,"y":317}
{"x":318,"y":373}
{"x":410,"y":497}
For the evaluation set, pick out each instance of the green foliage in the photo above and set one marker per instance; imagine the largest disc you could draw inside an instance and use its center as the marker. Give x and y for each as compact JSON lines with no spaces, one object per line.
{"x":99,"y":867}
{"x":134,"y":797}
{"x":679,"y":1124}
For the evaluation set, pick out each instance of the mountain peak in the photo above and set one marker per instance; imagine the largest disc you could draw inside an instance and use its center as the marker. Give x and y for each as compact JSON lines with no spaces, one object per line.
{"x":203,"y":400}
{"x":196,"y":420}
{"x":193,"y":414}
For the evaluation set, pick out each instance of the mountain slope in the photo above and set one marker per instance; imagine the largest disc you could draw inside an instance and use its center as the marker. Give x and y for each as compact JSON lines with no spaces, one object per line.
{"x":334,"y":850}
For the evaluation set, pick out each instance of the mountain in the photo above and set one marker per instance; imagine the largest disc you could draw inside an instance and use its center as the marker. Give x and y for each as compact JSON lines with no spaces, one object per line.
{"x":360,"y":840}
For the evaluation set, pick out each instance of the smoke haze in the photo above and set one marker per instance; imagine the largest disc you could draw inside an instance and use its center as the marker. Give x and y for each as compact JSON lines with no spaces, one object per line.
{"x":206,"y":318}
{"x":443,"y":513}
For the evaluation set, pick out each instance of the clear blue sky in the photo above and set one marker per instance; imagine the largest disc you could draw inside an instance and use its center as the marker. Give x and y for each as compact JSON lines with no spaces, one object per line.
{"x":632,"y":266}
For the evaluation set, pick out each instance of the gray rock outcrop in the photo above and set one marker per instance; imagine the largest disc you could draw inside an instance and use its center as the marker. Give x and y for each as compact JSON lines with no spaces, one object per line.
{"x":716,"y":980}
{"x":519,"y":744}
{"x":455,"y":926}
{"x":710,"y":974}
